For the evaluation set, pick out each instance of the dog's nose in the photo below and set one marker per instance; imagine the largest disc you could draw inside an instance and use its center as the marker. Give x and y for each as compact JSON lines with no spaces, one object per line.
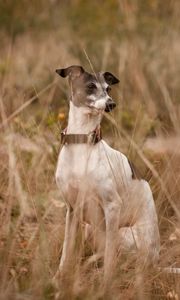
{"x":110,"y":105}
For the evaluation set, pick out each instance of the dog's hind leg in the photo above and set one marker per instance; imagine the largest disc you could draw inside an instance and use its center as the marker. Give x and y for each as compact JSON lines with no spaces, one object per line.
{"x":141,"y":240}
{"x":143,"y":236}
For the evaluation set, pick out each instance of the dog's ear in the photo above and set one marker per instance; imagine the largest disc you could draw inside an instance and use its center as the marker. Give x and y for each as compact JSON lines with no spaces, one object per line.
{"x":72,"y":71}
{"x":110,"y":78}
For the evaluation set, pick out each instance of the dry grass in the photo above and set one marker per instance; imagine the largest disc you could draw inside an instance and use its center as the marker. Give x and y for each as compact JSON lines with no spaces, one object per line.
{"x":32,"y":213}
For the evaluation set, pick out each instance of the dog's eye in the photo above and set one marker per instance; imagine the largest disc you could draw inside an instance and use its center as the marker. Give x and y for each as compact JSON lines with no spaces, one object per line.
{"x":108,"y":89}
{"x":91,"y":86}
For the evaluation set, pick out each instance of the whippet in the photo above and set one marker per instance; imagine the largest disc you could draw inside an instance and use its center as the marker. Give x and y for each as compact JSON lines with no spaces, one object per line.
{"x":117,"y":208}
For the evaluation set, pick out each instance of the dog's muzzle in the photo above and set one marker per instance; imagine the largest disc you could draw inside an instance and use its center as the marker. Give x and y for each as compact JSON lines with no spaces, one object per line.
{"x":110,"y":105}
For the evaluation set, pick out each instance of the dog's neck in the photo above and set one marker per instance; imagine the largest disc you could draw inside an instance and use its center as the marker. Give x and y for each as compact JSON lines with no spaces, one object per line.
{"x":81,"y":120}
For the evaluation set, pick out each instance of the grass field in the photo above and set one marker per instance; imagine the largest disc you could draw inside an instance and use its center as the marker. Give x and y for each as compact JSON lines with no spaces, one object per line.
{"x":138,"y":41}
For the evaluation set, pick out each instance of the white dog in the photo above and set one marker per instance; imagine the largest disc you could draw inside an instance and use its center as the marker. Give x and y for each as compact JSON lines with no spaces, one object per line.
{"x":97,"y":182}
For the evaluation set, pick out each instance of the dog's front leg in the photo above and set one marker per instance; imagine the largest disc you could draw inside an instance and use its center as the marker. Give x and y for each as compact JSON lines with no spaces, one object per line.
{"x":66,"y":243}
{"x":66,"y":238}
{"x":112,"y":213}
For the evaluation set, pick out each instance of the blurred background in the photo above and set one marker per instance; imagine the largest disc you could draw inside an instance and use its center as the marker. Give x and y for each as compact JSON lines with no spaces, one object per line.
{"x":139,"y":42}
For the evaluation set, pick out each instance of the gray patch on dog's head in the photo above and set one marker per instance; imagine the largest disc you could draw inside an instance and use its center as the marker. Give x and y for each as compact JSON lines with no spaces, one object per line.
{"x":87,"y":88}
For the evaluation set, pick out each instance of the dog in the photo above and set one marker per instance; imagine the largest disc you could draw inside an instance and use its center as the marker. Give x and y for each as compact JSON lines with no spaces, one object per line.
{"x":98,"y":183}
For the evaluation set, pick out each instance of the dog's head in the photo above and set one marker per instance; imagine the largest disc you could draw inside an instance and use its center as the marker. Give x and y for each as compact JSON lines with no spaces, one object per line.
{"x":90,"y":90}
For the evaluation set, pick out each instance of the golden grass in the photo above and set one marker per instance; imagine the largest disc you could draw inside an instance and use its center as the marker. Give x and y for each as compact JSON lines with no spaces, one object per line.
{"x":32,"y":213}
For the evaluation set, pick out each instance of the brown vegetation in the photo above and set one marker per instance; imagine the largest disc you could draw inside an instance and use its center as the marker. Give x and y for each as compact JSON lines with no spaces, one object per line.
{"x":138,"y":41}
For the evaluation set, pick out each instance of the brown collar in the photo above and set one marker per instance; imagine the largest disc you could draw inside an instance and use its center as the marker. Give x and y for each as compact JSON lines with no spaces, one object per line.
{"x":91,"y":138}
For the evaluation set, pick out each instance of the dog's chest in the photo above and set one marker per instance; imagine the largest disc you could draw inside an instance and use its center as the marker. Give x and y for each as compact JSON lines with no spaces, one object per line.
{"x":94,"y":168}
{"x":77,"y":166}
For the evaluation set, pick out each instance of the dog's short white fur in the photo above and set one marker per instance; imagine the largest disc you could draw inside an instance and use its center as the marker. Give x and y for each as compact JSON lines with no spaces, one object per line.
{"x":115,"y":205}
